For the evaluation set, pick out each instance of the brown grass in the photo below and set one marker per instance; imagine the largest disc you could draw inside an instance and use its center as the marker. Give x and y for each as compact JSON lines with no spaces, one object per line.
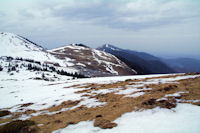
{"x":117,"y":105}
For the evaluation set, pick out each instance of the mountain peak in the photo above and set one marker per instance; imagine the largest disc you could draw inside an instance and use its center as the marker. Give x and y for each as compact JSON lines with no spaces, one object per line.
{"x":10,"y":38}
{"x":7,"y":34}
{"x":79,"y":44}
{"x":17,"y":46}
{"x":107,"y":46}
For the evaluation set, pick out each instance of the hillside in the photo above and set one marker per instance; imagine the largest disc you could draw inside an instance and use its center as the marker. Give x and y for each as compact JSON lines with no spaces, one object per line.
{"x":142,"y":62}
{"x":71,"y":59}
{"x":18,"y":47}
{"x":92,"y":62}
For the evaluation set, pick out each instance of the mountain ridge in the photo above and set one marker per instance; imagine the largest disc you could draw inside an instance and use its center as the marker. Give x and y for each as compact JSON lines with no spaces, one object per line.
{"x":138,"y":60}
{"x":93,"y":61}
{"x":78,"y":57}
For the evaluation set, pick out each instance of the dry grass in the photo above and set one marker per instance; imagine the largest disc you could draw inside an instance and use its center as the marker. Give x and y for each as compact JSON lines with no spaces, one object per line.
{"x":117,"y":104}
{"x":86,"y":57}
{"x":19,"y":126}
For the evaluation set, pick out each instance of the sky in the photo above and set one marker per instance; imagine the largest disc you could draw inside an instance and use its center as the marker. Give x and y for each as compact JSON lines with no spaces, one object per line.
{"x":166,"y":28}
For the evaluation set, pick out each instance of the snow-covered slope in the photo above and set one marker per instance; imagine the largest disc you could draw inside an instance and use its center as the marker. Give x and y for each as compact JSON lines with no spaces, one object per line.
{"x":19,"y":47}
{"x":74,"y":58}
{"x":16,"y":46}
{"x":85,"y":101}
{"x":93,"y":62}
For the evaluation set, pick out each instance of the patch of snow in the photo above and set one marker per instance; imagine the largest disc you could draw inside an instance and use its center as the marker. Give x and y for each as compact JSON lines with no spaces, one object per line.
{"x":21,"y":89}
{"x":131,"y":89}
{"x":72,"y":46}
{"x":177,"y":94}
{"x":173,"y":79}
{"x":7,"y":116}
{"x":99,"y":53}
{"x":76,"y":47}
{"x":160,"y":99}
{"x":192,"y":101}
{"x":108,"y":65}
{"x":105,"y":91}
{"x":81,"y":127}
{"x":110,"y":69}
{"x":80,"y":64}
{"x":59,"y":48}
{"x":136,"y":94}
{"x":39,"y":125}
{"x":76,"y":51}
{"x":1,"y":124}
{"x":91,"y":103}
{"x":184,"y":118}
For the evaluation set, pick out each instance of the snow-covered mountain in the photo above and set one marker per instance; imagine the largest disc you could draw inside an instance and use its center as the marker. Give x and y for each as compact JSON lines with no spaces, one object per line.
{"x":19,"y":47}
{"x":142,"y":62}
{"x":73,"y":58}
{"x":92,"y":62}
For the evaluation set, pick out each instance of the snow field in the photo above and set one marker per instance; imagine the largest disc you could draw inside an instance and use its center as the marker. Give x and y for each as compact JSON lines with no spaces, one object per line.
{"x":20,"y":88}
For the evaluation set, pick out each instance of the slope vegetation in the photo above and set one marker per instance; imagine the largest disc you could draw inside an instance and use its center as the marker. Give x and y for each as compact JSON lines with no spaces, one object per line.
{"x":92,"y":62}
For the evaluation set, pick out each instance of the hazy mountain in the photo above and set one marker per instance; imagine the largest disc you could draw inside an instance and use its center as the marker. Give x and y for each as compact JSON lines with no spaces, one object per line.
{"x":143,"y":63}
{"x":184,"y":64}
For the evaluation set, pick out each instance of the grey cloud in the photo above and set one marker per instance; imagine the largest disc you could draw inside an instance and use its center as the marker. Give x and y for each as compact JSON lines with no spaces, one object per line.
{"x":118,"y":15}
{"x":138,"y":22}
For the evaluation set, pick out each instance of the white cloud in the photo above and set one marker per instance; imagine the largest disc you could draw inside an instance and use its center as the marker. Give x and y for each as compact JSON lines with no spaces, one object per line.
{"x":150,"y":25}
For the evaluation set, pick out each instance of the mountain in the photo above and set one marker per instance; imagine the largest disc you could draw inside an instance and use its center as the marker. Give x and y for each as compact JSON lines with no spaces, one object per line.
{"x":15,"y":46}
{"x":183,"y":64}
{"x":19,"y":47}
{"x":141,"y":62}
{"x":92,"y":62}
{"x":19,"y":56}
{"x":75,"y":58}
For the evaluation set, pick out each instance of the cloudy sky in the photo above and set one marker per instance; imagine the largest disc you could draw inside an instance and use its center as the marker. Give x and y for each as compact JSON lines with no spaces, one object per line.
{"x":161,"y":27}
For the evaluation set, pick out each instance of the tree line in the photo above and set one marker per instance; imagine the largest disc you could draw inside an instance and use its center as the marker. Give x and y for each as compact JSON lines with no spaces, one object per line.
{"x":41,"y":67}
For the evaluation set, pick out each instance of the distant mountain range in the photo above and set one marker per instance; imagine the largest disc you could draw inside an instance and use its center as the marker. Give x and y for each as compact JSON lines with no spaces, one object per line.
{"x":106,"y":60}
{"x":142,"y":62}
{"x":183,"y":64}
{"x":70,"y":59}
